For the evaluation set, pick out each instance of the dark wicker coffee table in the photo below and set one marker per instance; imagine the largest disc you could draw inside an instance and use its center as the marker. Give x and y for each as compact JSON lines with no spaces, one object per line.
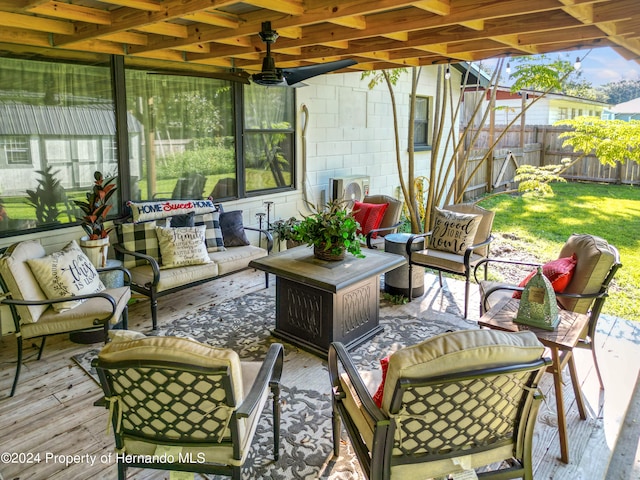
{"x":319,"y":302}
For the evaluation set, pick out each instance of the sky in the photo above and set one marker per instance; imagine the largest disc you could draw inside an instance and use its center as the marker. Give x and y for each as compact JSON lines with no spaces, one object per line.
{"x":604,"y":65}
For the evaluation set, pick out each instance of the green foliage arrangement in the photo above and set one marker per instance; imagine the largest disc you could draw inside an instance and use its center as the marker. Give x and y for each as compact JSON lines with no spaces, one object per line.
{"x":283,"y":230}
{"x":96,"y":207}
{"x":332,"y":228}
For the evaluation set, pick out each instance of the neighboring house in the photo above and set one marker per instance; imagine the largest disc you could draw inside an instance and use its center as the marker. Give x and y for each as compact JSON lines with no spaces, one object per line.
{"x":625,"y":111}
{"x":546,"y":111}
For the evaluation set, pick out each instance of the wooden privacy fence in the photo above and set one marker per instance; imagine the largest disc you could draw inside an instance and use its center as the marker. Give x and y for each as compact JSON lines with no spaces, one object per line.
{"x":535,"y":145}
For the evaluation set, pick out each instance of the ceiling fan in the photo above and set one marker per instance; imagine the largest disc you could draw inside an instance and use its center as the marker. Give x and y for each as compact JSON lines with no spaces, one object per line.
{"x":272,"y":76}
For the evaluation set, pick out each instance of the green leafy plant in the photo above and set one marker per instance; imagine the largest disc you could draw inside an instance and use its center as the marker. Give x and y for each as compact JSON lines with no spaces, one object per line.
{"x":283,"y":230}
{"x":46,"y":196}
{"x":332,"y":228}
{"x":96,"y":207}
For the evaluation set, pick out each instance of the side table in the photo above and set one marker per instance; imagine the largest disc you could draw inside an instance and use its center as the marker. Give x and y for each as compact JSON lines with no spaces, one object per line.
{"x":560,"y":343}
{"x":111,"y":279}
{"x":396,"y":281}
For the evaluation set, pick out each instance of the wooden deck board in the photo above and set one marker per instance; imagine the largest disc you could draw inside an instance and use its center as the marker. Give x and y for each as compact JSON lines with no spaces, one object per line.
{"x":53,"y":407}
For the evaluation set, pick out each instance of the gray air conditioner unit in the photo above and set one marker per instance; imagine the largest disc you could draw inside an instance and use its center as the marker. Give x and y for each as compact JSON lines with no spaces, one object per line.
{"x":349,"y":188}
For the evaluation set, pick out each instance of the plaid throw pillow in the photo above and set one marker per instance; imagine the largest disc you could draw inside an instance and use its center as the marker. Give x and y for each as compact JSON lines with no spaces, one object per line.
{"x":213,"y":233}
{"x":141,"y":238}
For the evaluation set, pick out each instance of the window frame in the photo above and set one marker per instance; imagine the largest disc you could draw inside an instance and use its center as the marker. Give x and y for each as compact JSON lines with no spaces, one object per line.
{"x":424,"y":124}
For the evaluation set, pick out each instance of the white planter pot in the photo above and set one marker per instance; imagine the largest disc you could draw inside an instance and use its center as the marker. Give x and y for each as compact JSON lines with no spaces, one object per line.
{"x":95,"y":250}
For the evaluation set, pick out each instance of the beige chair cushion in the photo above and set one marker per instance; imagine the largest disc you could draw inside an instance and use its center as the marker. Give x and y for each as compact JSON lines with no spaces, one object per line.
{"x":458,"y":352}
{"x":20,"y":280}
{"x":179,"y":350}
{"x":80,"y":317}
{"x":595,"y":259}
{"x":391,"y":215}
{"x":236,"y":258}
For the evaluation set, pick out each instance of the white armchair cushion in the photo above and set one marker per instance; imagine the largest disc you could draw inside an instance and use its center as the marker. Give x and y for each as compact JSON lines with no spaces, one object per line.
{"x":20,"y":280}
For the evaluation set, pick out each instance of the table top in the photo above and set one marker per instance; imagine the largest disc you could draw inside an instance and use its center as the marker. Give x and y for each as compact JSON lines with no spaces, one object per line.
{"x":565,"y":336}
{"x":298,"y":264}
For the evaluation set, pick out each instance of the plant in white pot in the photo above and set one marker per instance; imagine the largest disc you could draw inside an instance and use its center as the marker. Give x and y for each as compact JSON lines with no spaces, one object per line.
{"x":96,"y":243}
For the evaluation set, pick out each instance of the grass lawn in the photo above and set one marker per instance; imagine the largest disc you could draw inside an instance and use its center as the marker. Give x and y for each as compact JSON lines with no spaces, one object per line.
{"x":540,"y":226}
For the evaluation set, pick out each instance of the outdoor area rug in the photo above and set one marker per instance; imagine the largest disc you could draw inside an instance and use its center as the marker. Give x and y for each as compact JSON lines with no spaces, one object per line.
{"x":306,"y":452}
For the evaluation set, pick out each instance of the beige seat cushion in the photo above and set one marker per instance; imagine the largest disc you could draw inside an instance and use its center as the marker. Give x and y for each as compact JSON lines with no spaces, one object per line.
{"x":174,"y":277}
{"x":80,"y":317}
{"x":20,"y":280}
{"x":236,"y":258}
{"x":458,"y":352}
{"x":443,"y":260}
{"x":595,"y":259}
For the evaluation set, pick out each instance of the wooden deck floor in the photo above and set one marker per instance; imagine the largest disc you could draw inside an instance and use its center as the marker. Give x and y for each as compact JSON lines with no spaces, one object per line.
{"x":53,"y":410}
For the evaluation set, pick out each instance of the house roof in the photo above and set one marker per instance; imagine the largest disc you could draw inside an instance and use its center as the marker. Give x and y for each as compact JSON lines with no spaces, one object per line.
{"x":217,"y":35}
{"x":632,"y":106}
{"x":22,"y":119}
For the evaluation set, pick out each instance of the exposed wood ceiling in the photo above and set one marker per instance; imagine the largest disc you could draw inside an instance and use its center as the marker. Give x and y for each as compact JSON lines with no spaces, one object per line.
{"x":222,"y":34}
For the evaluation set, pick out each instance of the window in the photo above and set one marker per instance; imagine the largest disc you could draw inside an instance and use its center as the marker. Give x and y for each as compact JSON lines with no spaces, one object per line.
{"x":421,"y":140}
{"x":564,"y":113}
{"x":57,"y":112}
{"x":186,"y":137}
{"x":269,"y":138}
{"x":16,"y":150}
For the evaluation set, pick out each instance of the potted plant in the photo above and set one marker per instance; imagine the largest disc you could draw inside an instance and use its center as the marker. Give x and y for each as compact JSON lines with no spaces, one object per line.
{"x":331,"y":230}
{"x":96,"y":243}
{"x":283,"y":231}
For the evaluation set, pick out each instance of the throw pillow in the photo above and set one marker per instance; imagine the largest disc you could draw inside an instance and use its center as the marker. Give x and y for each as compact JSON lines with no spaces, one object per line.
{"x":369,"y":216}
{"x":213,"y":233}
{"x":66,"y":273}
{"x":183,"y":220}
{"x":559,"y":272}
{"x":232,"y":229}
{"x":145,"y":211}
{"x":182,"y":246}
{"x":141,"y":238}
{"x":452,"y":231}
{"x":377,"y":397}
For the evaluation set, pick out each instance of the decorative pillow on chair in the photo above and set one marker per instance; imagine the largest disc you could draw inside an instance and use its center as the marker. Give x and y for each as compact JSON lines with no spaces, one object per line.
{"x":183,"y":220}
{"x":66,"y":273}
{"x":141,"y":238}
{"x":453,"y":232}
{"x":213,"y":234}
{"x":182,"y":246}
{"x":233,"y":229}
{"x":377,"y":397}
{"x":369,"y":216}
{"x":559,"y":272}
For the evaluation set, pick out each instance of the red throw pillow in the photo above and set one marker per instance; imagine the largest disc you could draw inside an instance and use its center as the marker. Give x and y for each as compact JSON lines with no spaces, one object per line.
{"x":559,"y":272}
{"x":369,"y":216}
{"x":377,"y":397}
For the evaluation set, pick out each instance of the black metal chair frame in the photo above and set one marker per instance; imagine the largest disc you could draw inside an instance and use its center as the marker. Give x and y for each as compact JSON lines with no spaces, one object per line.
{"x":377,"y":462}
{"x":587,"y":341}
{"x":98,"y":322}
{"x":268,"y":376}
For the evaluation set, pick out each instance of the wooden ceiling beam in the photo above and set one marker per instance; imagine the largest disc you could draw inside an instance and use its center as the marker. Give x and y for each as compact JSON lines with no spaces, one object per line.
{"x":166,"y":28}
{"x":290,"y":7}
{"x":146,"y":5}
{"x":39,"y":24}
{"x":68,"y":11}
{"x":439,"y":7}
{"x":212,"y":18}
{"x":358,"y":22}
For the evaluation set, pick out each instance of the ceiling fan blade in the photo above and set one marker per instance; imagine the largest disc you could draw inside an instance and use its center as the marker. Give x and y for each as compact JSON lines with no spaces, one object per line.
{"x":298,"y":74}
{"x":236,"y":76}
